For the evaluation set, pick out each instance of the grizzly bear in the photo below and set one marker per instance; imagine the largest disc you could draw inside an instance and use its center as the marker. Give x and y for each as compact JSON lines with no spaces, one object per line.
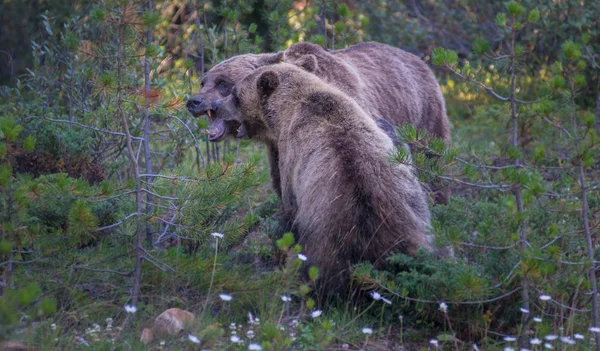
{"x":388,"y":83}
{"x":341,"y":196}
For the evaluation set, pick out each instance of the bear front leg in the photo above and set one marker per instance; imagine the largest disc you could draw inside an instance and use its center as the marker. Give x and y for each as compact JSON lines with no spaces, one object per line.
{"x":273,"y":153}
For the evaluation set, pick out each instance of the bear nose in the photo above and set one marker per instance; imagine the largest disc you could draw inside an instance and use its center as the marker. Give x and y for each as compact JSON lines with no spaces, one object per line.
{"x":194,"y":103}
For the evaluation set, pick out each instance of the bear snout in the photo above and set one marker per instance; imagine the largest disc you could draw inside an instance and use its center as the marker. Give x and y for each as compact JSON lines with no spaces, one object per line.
{"x":195,"y":106}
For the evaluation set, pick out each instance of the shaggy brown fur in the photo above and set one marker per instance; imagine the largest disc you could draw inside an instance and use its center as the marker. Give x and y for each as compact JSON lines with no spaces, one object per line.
{"x":343,"y":199}
{"x":385,"y":81}
{"x":388,"y":83}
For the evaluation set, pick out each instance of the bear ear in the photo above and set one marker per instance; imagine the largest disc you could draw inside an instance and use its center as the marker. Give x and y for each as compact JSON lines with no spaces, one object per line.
{"x":308,"y":62}
{"x":267,"y":83}
{"x":271,"y":59}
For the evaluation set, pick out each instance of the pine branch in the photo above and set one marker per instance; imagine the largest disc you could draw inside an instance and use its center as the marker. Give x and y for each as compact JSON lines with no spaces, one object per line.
{"x":105,"y":131}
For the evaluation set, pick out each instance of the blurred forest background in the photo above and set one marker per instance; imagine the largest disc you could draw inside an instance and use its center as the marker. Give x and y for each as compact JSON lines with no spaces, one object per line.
{"x":111,"y":195}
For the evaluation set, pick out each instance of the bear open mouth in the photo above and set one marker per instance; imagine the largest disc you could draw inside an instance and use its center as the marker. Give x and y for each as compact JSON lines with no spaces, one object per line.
{"x":217,"y":130}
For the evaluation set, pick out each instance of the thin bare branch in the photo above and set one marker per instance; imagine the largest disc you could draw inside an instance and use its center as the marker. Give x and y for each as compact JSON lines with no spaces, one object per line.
{"x":118,"y":223}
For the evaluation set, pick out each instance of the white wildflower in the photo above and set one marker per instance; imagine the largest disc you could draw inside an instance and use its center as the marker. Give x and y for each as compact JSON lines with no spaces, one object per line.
{"x":545,"y":297}
{"x":367,"y":331}
{"x":567,"y":340}
{"x":53,"y":326}
{"x":510,"y":338}
{"x":301,"y":257}
{"x":537,"y":319}
{"x":193,"y":338}
{"x":285,"y":298}
{"x":508,"y":349}
{"x":548,"y":346}
{"x":130,"y":309}
{"x":443,"y":307}
{"x":316,"y":313}
{"x":225,"y":297}
{"x":162,"y":343}
{"x":218,"y":235}
{"x":250,"y":334}
{"x":375,"y":295}
{"x":250,"y":318}
{"x":524,"y":310}
{"x":594,"y":329}
{"x":254,"y":347}
{"x":550,"y":337}
{"x":535,"y":341}
{"x":234,"y":339}
{"x":579,"y":336}
{"x":434,"y":342}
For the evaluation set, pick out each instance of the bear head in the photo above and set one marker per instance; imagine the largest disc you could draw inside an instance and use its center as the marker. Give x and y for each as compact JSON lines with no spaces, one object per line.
{"x":217,"y":85}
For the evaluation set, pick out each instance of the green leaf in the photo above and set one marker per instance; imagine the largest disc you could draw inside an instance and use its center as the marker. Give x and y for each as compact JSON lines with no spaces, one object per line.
{"x":313,"y":273}
{"x":579,"y":80}
{"x":97,"y":15}
{"x":501,"y":19}
{"x":588,"y":120}
{"x":438,"y":56}
{"x":252,"y":28}
{"x":286,"y":241}
{"x":151,"y":18}
{"x":585,"y":37}
{"x":534,"y":16}
{"x":318,"y":39}
{"x":28,"y":294}
{"x":5,"y":246}
{"x":519,"y":49}
{"x":106,"y":80}
{"x":5,"y":174}
{"x":558,"y":82}
{"x":557,"y":67}
{"x":81,"y":222}
{"x":452,"y":57}
{"x":70,"y":41}
{"x":29,"y":143}
{"x":571,"y":50}
{"x":47,"y":306}
{"x":514,"y":8}
{"x":151,"y":50}
{"x":480,"y":46}
{"x":343,"y":10}
{"x":539,"y":152}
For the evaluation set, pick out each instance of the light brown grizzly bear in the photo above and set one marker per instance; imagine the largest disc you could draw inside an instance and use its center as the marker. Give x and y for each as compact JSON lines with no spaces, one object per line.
{"x":388,"y":83}
{"x":341,"y":196}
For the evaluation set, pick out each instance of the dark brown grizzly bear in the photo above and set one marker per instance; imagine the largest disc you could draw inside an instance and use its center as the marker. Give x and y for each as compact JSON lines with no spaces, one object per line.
{"x":341,"y":196}
{"x":388,"y":83}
